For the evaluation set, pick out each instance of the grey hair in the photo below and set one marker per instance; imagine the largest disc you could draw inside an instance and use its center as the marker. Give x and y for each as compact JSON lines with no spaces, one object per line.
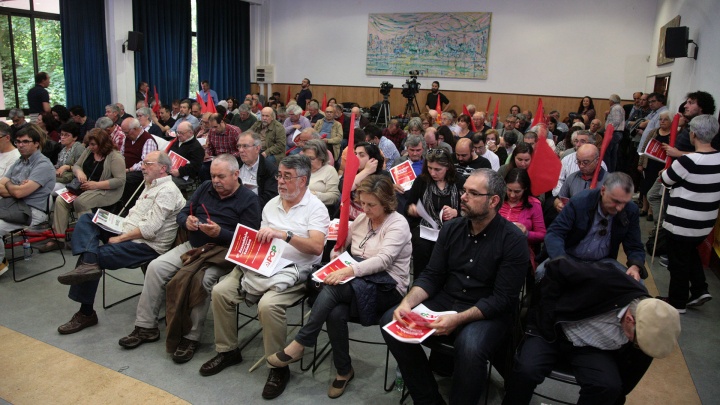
{"x":104,"y":123}
{"x":446,"y":115}
{"x":704,"y":127}
{"x":665,"y":114}
{"x":319,"y":148}
{"x":294,"y":109}
{"x":300,"y":163}
{"x":415,"y":140}
{"x":615,"y":99}
{"x":590,"y":135}
{"x":134,"y":123}
{"x":164,"y":159}
{"x":4,"y":129}
{"x":228,"y":159}
{"x":243,"y":108}
{"x":531,"y":134}
{"x":257,"y":141}
{"x":495,"y":183}
{"x":510,"y":116}
{"x":113,"y":107}
{"x":16,"y":112}
{"x":314,"y":105}
{"x":313,"y":133}
{"x":521,"y":116}
{"x":144,"y":111}
{"x":619,"y":179}
{"x":415,"y":123}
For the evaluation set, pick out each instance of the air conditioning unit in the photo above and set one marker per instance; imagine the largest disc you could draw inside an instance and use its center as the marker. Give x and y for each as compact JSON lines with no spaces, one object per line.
{"x":265,"y":73}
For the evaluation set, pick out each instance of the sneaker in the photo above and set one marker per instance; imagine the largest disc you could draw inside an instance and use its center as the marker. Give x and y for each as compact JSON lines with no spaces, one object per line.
{"x":139,"y":336}
{"x":666,"y":299}
{"x":78,"y":322}
{"x":4,"y":266}
{"x":664,"y":260}
{"x":185,"y":350}
{"x":696,"y":301}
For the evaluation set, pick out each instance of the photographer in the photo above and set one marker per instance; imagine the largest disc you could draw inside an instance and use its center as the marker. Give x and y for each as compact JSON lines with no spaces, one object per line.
{"x":432,"y":98}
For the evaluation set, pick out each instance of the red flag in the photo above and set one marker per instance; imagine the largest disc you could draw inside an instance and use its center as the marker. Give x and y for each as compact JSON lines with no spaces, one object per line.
{"x":169,"y":146}
{"x":156,"y":107}
{"x":351,"y":167}
{"x":540,"y":113}
{"x":211,"y":105}
{"x":203,"y":107}
{"x":487,"y":109}
{"x":545,"y":166}
{"x":606,"y":142}
{"x":495,"y":114}
{"x":146,"y":100}
{"x":673,"y":137}
{"x":467,"y":112}
{"x":324,"y":103}
{"x":438,"y":109}
{"x":289,"y":96}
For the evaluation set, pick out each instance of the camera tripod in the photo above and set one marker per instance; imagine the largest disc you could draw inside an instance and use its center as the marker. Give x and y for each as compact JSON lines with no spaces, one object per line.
{"x":384,"y":111}
{"x":411,"y":108}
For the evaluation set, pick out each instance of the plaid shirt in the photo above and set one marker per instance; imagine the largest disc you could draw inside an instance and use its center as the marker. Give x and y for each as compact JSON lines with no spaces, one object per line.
{"x":225,"y":142}
{"x":398,"y":138}
{"x":149,"y":146}
{"x":118,"y":138}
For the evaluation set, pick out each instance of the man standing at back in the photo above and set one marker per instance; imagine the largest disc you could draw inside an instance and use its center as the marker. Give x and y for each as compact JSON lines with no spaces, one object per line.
{"x":207,"y":91}
{"x":38,"y":98}
{"x":305,"y":93}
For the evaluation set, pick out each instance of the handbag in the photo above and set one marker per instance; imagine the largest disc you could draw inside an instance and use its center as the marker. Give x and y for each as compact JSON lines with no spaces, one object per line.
{"x":74,"y":186}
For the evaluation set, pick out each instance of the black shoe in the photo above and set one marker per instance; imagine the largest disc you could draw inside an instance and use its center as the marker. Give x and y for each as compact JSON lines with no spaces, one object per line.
{"x":649,"y":218}
{"x":696,"y":301}
{"x":680,"y":310}
{"x":643,"y":213}
{"x":276,"y":382}
{"x":139,"y":336}
{"x":219,"y":362}
{"x":185,"y":350}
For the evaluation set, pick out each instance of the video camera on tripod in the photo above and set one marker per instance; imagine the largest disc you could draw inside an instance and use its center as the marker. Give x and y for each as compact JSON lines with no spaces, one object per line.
{"x":385,"y":88}
{"x":411,"y":86}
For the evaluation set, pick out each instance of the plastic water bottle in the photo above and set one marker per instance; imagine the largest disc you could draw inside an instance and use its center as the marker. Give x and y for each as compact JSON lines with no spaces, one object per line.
{"x":399,"y":383}
{"x":27,"y":249}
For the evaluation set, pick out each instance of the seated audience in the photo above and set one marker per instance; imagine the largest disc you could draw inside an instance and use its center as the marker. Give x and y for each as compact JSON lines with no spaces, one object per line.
{"x":587,"y":160}
{"x":272,"y":134}
{"x":8,"y":152}
{"x":493,"y":144}
{"x":569,"y":162}
{"x":138,"y":144}
{"x":466,"y":159}
{"x":324,"y":179}
{"x":586,"y":110}
{"x":222,"y":138}
{"x":431,"y":140}
{"x":185,"y":115}
{"x":113,"y":130}
{"x":445,"y":136}
{"x":330,"y":131}
{"x":17,"y":116}
{"x":164,"y":121}
{"x":68,"y":155}
{"x":186,"y":145}
{"x":144,"y":115}
{"x":524,"y":210}
{"x":50,"y":125}
{"x":415,"y":127}
{"x":394,"y":133}
{"x":243,"y":119}
{"x":371,"y":162}
{"x":373,"y":135}
{"x":520,"y":158}
{"x":294,"y":122}
{"x":479,"y":142}
{"x":465,"y":124}
{"x":313,"y":112}
{"x":256,"y":172}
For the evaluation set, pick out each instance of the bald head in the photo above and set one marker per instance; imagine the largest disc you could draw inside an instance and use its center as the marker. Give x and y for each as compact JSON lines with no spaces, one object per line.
{"x":463,"y":151}
{"x":431,"y":138}
{"x":587,"y":157}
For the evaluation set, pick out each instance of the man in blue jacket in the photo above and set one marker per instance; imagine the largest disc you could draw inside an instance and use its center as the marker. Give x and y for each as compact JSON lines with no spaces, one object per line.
{"x":595,"y":222}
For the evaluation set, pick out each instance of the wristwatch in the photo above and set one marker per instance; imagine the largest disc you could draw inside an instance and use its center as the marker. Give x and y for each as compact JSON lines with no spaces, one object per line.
{"x":289,"y":236}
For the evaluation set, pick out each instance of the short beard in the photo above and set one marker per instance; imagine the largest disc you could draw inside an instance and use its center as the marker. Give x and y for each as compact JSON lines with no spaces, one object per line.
{"x":289,"y":196}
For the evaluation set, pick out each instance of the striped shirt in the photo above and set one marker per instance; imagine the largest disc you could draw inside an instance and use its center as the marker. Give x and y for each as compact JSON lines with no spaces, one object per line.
{"x":602,"y":331}
{"x":695,"y":194}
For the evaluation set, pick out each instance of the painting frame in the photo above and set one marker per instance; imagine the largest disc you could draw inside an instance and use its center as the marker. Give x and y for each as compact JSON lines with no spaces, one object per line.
{"x":661,"y":59}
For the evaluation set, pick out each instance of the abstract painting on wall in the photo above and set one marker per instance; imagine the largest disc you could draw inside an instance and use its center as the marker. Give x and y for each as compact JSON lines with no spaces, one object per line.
{"x":437,"y":44}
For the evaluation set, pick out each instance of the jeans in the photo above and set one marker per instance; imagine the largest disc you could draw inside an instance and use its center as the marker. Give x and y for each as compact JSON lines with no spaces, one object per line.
{"x":474,"y":344}
{"x":87,"y":238}
{"x":611,"y":154}
{"x":686,"y":271}
{"x":332,"y":306}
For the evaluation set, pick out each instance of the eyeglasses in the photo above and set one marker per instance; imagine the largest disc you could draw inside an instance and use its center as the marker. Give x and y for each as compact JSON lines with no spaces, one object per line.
{"x":367,"y":237}
{"x":604,"y":224}
{"x":436,"y":152}
{"x":585,"y":162}
{"x":25,"y":142}
{"x":285,"y":177}
{"x":245,"y":146}
{"x":144,"y":163}
{"x":475,"y":194}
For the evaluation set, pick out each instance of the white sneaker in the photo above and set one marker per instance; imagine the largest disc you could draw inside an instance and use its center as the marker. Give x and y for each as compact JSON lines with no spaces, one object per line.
{"x":4,"y":266}
{"x":697,"y":301}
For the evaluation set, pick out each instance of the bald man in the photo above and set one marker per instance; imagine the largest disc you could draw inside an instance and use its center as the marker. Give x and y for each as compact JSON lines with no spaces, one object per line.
{"x":467,"y":160}
{"x":587,"y":159}
{"x":431,"y":140}
{"x":272,"y":134}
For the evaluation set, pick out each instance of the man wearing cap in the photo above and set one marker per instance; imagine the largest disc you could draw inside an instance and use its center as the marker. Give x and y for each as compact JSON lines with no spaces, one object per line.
{"x":600,"y":319}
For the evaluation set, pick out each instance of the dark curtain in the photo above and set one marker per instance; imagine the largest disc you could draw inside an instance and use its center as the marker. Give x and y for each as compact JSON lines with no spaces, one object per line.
{"x":85,"y":57}
{"x":165,"y":59}
{"x":223,"y":38}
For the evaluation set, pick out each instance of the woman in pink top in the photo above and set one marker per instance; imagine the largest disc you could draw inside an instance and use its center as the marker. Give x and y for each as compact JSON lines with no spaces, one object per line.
{"x":524,"y":210}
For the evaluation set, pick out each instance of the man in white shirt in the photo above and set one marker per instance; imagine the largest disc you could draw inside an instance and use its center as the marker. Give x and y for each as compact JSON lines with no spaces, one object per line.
{"x":480,"y":147}
{"x":256,"y":173}
{"x":8,"y":152}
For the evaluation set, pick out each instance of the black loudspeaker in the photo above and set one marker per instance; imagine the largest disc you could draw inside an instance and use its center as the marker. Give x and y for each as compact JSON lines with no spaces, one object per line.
{"x":676,"y":42}
{"x":135,"y":41}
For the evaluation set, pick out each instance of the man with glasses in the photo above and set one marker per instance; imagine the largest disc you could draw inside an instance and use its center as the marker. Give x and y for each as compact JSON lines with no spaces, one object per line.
{"x":301,"y":220}
{"x":25,"y":186}
{"x":136,"y":147}
{"x":210,"y":216}
{"x":256,"y":173}
{"x":594,"y":223}
{"x":330,"y":131}
{"x":656,"y":102}
{"x":187,"y":146}
{"x":570,"y":162}
{"x":587,"y":159}
{"x":479,"y":142}
{"x":294,"y":122}
{"x":477,"y":269}
{"x":148,"y":230}
{"x":17,"y":116}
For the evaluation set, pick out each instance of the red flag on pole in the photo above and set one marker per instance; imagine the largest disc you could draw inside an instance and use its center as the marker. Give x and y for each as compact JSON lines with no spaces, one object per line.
{"x":673,"y":138}
{"x":438,"y":109}
{"x":539,"y":114}
{"x":467,"y":112}
{"x":289,"y":96}
{"x":211,"y":105}
{"x":156,"y":107}
{"x":351,"y":167}
{"x":487,"y":109}
{"x":495,"y":114}
{"x":545,"y":166}
{"x":606,"y":142}
{"x":324,"y":102}
{"x":203,"y":106}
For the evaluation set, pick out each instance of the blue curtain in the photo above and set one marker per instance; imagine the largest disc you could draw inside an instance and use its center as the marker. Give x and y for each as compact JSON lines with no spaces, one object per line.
{"x":164,"y":61}
{"x":85,"y":57}
{"x":223,"y":38}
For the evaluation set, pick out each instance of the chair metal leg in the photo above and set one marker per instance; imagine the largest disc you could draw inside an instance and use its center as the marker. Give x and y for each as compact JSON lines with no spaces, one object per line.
{"x":105,"y":304}
{"x":14,"y":259}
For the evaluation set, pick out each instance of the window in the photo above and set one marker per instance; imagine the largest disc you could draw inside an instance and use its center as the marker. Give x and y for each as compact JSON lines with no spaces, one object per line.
{"x":194,"y":75}
{"x":29,"y":43}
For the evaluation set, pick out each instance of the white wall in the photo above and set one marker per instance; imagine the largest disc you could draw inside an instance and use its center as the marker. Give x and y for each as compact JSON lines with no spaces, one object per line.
{"x":118,"y":22}
{"x":687,"y":74}
{"x":553,"y":47}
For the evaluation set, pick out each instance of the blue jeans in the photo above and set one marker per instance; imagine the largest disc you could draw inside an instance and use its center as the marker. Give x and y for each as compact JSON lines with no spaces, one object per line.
{"x":475,"y":343}
{"x":611,"y":153}
{"x":87,"y":238}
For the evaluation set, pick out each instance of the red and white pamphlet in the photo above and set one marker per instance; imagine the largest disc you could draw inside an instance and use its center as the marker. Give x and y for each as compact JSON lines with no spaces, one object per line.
{"x":403,"y":175}
{"x":263,"y":258}
{"x":417,"y":329}
{"x":654,"y":150}
{"x":66,"y":195}
{"x":177,"y":160}
{"x":344,"y":260}
{"x":333,"y":230}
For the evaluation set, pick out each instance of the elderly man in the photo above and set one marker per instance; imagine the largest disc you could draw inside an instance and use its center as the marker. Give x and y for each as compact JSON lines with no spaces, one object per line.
{"x":616,"y":118}
{"x":600,"y":320}
{"x":112,"y":111}
{"x":187,"y":146}
{"x":206,"y":91}
{"x":256,"y":172}
{"x":185,"y":108}
{"x":122,"y":113}
{"x":477,"y":269}
{"x":147,"y":232}
{"x":569,"y":162}
{"x":415,"y":147}
{"x":114,"y":131}
{"x":330,"y":131}
{"x":243,"y":119}
{"x":145,"y":115}
{"x":479,"y":141}
{"x":272,"y":134}
{"x":17,"y":116}
{"x":466,"y":159}
{"x":25,"y":186}
{"x":293,"y":123}
{"x":360,"y":122}
{"x":587,"y":159}
{"x":478,"y":118}
{"x":431,"y":140}
{"x":395,"y":134}
{"x":300,"y":219}
{"x":313,"y":112}
{"x":138,"y":144}
{"x":595,"y":127}
{"x":373,"y":135}
{"x":594,"y":223}
{"x":224,"y":204}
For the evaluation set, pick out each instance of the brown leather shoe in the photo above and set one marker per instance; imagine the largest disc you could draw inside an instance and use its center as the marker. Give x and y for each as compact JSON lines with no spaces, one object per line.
{"x":337,"y":388}
{"x":139,"y":336}
{"x":219,"y":362}
{"x":276,"y":382}
{"x":50,"y":246}
{"x":82,"y":273}
{"x":185,"y":350}
{"x":78,"y":322}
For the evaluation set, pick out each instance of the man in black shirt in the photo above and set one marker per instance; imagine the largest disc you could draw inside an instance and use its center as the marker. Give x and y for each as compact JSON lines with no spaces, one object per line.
{"x":77,"y":114}
{"x":432,"y":97}
{"x":477,"y":268}
{"x":305,"y":94}
{"x":467,"y":160}
{"x":39,"y":98}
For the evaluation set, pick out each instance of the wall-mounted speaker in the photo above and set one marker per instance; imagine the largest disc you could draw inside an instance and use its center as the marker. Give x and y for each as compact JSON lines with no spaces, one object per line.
{"x":135,"y":41}
{"x":676,"y":42}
